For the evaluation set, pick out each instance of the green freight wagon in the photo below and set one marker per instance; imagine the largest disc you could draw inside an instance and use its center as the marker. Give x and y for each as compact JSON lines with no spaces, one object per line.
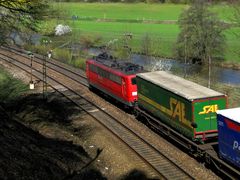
{"x":187,"y":107}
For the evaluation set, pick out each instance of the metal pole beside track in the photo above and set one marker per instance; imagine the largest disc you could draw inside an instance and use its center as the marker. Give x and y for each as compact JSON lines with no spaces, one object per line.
{"x":46,"y":55}
{"x":44,"y":77}
{"x":31,"y":83}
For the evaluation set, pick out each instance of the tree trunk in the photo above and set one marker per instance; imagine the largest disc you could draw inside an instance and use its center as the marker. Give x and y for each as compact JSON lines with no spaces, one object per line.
{"x":209,"y":71}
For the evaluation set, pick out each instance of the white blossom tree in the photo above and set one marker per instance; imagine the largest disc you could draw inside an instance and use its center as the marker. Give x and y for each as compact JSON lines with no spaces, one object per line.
{"x":62,"y":29}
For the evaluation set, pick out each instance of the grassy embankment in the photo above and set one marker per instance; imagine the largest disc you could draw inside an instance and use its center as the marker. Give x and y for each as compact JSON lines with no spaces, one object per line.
{"x":10,"y":88}
{"x":159,"y":21}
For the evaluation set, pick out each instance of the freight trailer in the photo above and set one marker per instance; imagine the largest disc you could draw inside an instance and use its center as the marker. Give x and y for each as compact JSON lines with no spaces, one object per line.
{"x":186,"y":107}
{"x":229,"y":135}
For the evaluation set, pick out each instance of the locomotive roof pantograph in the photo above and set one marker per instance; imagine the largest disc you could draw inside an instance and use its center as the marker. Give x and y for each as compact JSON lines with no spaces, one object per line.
{"x":179,"y":86}
{"x":124,"y":67}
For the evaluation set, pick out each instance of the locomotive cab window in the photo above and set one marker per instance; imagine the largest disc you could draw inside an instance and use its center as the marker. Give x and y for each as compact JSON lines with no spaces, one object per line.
{"x":134,"y":81}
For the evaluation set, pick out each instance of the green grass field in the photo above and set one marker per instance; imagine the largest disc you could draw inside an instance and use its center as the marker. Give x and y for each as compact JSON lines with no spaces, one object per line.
{"x":135,"y":10}
{"x":122,"y":11}
{"x":114,"y":21}
{"x":162,"y":35}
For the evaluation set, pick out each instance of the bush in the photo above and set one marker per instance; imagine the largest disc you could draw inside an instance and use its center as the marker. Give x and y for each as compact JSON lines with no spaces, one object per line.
{"x":38,"y":49}
{"x":10,"y":88}
{"x":47,"y":29}
{"x":62,"y":29}
{"x":154,"y":1}
{"x":79,"y":63}
{"x":62,"y":55}
{"x":88,"y":40}
{"x":179,"y":1}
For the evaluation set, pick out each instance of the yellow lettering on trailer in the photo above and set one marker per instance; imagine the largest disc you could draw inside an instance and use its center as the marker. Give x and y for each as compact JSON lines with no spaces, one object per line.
{"x":177,"y":109}
{"x":209,"y":109}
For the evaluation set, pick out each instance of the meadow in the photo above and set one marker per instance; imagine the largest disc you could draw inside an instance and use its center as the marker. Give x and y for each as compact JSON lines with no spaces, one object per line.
{"x":157,"y":21}
{"x":135,"y":10}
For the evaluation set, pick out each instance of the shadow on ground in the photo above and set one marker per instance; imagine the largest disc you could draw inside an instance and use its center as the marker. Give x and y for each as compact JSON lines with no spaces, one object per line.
{"x":26,"y":154}
{"x":54,"y":111}
{"x":136,"y":175}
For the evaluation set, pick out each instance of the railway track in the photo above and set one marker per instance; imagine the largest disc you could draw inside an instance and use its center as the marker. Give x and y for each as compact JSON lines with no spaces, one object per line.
{"x":76,"y":74}
{"x":68,"y":81}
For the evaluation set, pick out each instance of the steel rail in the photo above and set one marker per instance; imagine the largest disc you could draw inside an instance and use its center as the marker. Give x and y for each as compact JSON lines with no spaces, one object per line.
{"x":52,"y":61}
{"x":62,"y":68}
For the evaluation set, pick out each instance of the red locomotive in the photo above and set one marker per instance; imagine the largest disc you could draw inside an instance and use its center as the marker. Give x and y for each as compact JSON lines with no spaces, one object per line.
{"x":116,"y":79}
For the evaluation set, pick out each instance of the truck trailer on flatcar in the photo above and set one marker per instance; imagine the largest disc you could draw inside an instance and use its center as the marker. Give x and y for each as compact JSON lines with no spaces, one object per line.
{"x":187,"y":107}
{"x":229,"y":135}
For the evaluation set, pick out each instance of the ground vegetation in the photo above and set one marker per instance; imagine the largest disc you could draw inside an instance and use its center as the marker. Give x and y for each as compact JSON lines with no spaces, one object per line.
{"x":10,"y":88}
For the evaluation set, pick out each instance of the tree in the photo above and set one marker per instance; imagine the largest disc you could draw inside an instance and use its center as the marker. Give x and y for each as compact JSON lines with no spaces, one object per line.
{"x":236,"y":21}
{"x":19,"y":15}
{"x":201,"y":37}
{"x":123,"y":49}
{"x":146,"y":45}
